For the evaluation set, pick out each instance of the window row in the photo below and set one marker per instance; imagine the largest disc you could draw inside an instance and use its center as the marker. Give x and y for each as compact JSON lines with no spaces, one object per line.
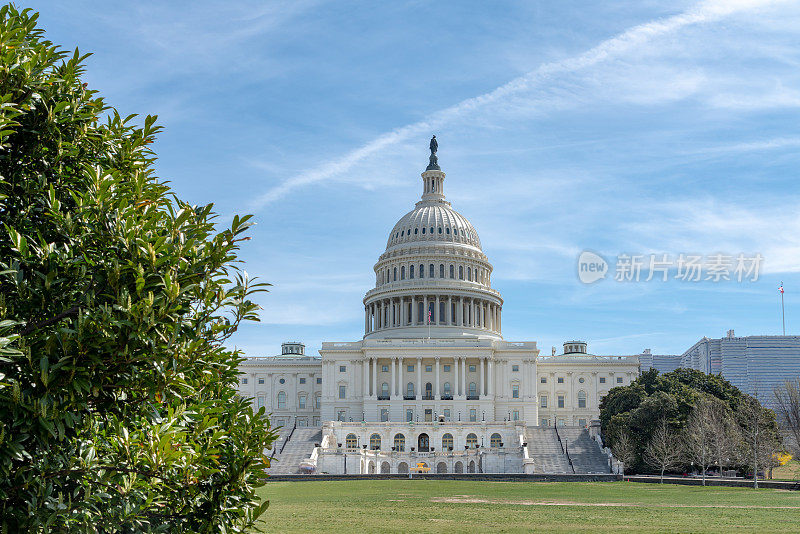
{"x":581,"y":380}
{"x":406,"y":233}
{"x":261,"y":381}
{"x":561,"y":400}
{"x":461,"y":272}
{"x":423,"y":442}
{"x":302,"y":401}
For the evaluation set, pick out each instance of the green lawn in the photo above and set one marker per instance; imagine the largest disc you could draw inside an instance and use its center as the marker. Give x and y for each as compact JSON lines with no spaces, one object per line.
{"x":467,"y":506}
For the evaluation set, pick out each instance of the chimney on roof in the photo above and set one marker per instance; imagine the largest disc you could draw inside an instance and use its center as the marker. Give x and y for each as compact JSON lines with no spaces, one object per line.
{"x":730,"y":333}
{"x":646,"y":351}
{"x":554,"y":351}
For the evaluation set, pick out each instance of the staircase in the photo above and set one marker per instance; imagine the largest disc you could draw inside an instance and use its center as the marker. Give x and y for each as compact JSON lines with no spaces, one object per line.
{"x":545,"y":450}
{"x":584,"y":452}
{"x":292,"y":448}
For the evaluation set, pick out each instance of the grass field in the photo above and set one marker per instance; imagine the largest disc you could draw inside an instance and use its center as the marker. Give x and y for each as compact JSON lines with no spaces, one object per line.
{"x":476,"y":506}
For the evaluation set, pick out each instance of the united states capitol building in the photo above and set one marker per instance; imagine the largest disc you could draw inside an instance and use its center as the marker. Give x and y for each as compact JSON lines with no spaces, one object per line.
{"x":432,"y":380}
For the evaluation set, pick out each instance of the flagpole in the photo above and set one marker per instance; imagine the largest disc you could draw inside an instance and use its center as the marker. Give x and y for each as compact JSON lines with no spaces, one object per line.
{"x":783,"y":316}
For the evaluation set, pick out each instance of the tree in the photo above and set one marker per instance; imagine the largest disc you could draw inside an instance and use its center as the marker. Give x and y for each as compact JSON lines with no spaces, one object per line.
{"x":760,"y":435}
{"x":787,"y":409}
{"x":698,"y":435}
{"x":664,"y":450}
{"x":118,"y":407}
{"x":623,"y":449}
{"x":726,"y":434}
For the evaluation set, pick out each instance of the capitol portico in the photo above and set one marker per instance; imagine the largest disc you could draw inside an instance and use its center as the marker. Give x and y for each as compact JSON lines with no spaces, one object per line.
{"x":433,"y":356}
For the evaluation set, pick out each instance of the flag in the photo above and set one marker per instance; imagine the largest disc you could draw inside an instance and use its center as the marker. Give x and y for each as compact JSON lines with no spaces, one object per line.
{"x":429,"y":317}
{"x":781,"y":288}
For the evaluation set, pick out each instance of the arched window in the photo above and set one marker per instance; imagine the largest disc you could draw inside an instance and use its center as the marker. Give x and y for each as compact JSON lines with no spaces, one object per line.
{"x":399,"y":442}
{"x":495,"y":440}
{"x":403,"y":272}
{"x":411,"y":272}
{"x":395,"y":274}
{"x":460,"y":272}
{"x":423,"y":230}
{"x":447,"y":442}
{"x":410,"y":389}
{"x":455,"y":231}
{"x":440,"y":229}
{"x":430,"y":271}
{"x":428,"y":390}
{"x":421,"y":271}
{"x":384,"y":389}
{"x":452,"y":271}
{"x":441,"y":270}
{"x":351,"y":442}
{"x":375,"y":442}
{"x":431,"y":229}
{"x":472,"y":440}
{"x":447,"y":388}
{"x":415,"y":231}
{"x":469,"y":274}
{"x":447,"y":230}
{"x":402,"y":232}
{"x":473,"y":389}
{"x":581,"y":399}
{"x":281,"y":400}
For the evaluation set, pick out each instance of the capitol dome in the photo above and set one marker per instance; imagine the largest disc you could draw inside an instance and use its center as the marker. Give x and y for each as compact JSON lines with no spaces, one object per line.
{"x":433,"y":278}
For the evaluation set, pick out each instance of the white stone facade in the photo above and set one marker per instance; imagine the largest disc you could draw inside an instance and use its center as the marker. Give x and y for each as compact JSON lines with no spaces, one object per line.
{"x":432,"y":357}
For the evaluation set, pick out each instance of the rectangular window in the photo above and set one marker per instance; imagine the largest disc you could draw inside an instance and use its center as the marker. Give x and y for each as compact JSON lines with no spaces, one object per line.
{"x":543,"y":401}
{"x":319,"y":381}
{"x":302,"y":402}
{"x":619,"y":380}
{"x":384,"y":414}
{"x":261,"y":381}
{"x":409,"y":415}
{"x":473,"y":415}
{"x":342,"y":368}
{"x":472,"y":368}
{"x":244,"y":381}
{"x":410,"y":368}
{"x":302,"y":380}
{"x":317,"y":402}
{"x":514,"y":368}
{"x":560,"y":379}
{"x":261,"y":402}
{"x":428,"y":415}
{"x":446,"y":368}
{"x":545,"y":422}
{"x":428,"y":368}
{"x":581,"y":402}
{"x":447,"y":414}
{"x":342,"y":392}
{"x":385,"y":368}
{"x":515,"y":391}
{"x":561,"y":401}
{"x":581,"y":422}
{"x":341,"y":415}
{"x":515,"y":415}
{"x":602,"y":380}
{"x":543,"y":380}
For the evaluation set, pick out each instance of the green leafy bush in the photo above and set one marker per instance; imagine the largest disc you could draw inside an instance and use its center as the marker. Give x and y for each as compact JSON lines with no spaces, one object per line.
{"x":118,"y":408}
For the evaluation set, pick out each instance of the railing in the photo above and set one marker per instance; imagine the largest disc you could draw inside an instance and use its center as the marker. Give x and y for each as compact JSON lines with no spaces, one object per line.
{"x":288,"y":437}
{"x":473,"y":397}
{"x":428,"y":397}
{"x":409,"y":397}
{"x":383,"y":397}
{"x":564,"y":448}
{"x":447,"y":397}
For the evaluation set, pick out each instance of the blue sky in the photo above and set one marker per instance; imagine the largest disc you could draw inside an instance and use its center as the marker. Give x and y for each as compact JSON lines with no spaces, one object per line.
{"x":638,"y":128}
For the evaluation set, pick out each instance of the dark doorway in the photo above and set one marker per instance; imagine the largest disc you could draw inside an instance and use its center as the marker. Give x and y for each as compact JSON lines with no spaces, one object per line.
{"x":423,"y":443}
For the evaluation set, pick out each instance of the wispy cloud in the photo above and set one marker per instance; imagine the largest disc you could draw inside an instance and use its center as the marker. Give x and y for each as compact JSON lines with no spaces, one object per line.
{"x":612,"y":48}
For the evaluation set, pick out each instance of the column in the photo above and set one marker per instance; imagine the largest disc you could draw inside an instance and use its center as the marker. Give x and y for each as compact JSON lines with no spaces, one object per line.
{"x":373,"y":317}
{"x":393,"y":383}
{"x":425,"y":309}
{"x":365,"y":371}
{"x":366,"y":320}
{"x":413,"y":309}
{"x":374,"y":377}
{"x":481,"y":387}
{"x":459,"y":311}
{"x":437,"y":312}
{"x":436,"y":384}
{"x":490,"y":385}
{"x":419,"y":379}
{"x":463,"y":376}
{"x":449,"y":314}
{"x":402,"y":311}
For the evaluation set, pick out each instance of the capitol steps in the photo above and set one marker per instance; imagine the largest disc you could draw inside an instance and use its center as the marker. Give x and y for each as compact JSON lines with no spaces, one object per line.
{"x":545,"y":450}
{"x":297,"y":448}
{"x":585,"y":453}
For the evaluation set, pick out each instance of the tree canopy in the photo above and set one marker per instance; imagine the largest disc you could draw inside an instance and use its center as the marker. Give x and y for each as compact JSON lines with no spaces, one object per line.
{"x":118,"y":407}
{"x":638,"y":409}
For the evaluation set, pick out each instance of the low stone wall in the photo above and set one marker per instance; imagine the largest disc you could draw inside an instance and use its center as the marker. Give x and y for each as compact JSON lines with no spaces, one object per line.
{"x":500,"y":477}
{"x":717,"y":481}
